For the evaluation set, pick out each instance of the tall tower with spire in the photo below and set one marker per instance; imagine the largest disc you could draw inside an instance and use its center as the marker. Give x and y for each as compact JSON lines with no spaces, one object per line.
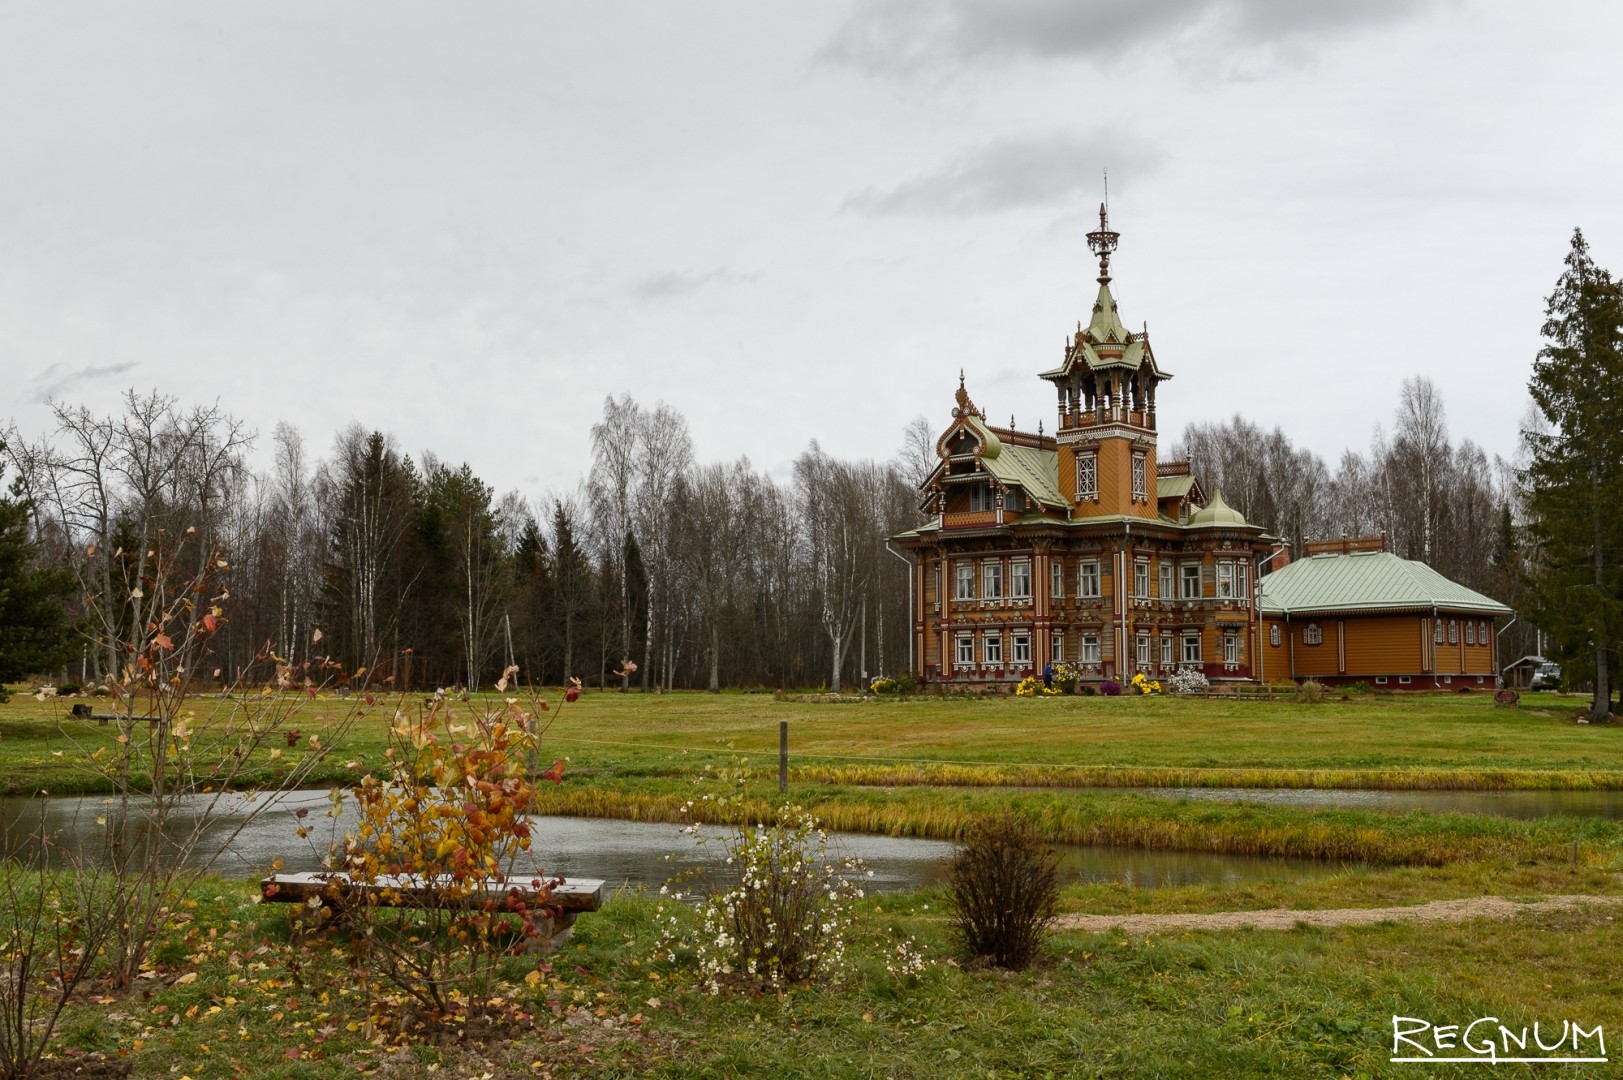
{"x":1106,"y":388}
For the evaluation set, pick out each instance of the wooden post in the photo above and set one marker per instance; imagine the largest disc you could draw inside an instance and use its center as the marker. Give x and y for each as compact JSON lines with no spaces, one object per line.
{"x":783,"y":755}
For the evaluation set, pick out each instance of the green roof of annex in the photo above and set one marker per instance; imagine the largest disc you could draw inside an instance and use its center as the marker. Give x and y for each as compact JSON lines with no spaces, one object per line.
{"x":1366,"y":581}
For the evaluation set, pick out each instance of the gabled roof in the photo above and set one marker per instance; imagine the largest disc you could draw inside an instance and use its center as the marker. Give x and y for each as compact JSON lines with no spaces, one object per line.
{"x":1173,"y":487}
{"x":1366,"y":581}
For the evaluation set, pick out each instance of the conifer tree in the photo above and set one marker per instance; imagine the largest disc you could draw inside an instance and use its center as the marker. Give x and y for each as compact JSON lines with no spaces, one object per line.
{"x":34,"y":633}
{"x":1575,"y":475}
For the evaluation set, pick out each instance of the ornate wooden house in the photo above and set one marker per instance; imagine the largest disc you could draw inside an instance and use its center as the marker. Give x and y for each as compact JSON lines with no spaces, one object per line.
{"x":1079,"y":546}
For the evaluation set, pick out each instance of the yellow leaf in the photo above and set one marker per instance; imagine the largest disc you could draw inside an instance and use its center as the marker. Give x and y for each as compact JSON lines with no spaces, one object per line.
{"x":186,"y":979}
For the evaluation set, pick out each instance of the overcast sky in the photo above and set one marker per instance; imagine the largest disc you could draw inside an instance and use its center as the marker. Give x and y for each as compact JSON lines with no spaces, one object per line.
{"x":467,"y":223}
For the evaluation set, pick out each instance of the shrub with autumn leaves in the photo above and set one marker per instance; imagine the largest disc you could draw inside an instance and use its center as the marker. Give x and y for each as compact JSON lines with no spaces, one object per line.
{"x":446,"y":831}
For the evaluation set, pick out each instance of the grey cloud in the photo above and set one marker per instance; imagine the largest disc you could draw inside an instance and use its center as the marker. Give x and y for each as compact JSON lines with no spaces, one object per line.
{"x":53,"y":381}
{"x":901,"y":36}
{"x":668,"y":285}
{"x":1011,"y":175}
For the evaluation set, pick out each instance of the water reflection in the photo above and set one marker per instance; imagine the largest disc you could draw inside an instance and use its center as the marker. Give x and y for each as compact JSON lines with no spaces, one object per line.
{"x":629,"y":853}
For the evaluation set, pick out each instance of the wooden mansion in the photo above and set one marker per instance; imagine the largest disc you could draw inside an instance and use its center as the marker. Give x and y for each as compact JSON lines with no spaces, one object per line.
{"x":1081,"y":547}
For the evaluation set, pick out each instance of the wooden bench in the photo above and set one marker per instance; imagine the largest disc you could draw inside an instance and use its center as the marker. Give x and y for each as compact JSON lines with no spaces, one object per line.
{"x":319,"y":897}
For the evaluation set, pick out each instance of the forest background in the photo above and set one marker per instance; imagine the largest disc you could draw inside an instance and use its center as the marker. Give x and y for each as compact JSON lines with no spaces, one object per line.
{"x":707,"y":575}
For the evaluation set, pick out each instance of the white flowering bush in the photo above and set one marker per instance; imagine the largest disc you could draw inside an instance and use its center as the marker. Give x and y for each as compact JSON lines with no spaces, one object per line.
{"x":1189,"y":681}
{"x":786,"y":920}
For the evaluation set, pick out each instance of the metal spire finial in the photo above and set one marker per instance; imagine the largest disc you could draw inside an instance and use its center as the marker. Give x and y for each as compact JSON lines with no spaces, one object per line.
{"x":1102,"y":241}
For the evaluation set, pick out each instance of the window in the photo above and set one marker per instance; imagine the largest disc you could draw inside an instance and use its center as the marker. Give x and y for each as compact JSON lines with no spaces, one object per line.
{"x":1380,"y":680}
{"x":1013,"y":500}
{"x":1273,"y":635}
{"x":992,"y":580}
{"x":1231,"y":648}
{"x":964,"y":650}
{"x":1020,"y":647}
{"x":1166,"y":650}
{"x":1020,"y":579}
{"x":1191,"y":581}
{"x":1242,"y":574}
{"x":1437,"y":632}
{"x":1140,"y":478}
{"x":1482,"y":635}
{"x":1225,"y":581}
{"x":1056,"y":579}
{"x":1087,"y":477}
{"x":1141,"y":578}
{"x":1191,"y":648}
{"x":963,"y":578}
{"x":1470,"y":633}
{"x":980,"y":497}
{"x":992,"y":648}
{"x":1166,"y":581}
{"x":1090,"y":648}
{"x":1056,"y":645}
{"x":1312,"y":634}
{"x":1404,"y":680}
{"x":1143,"y":650}
{"x":1453,"y":632}
{"x":1087,"y":579}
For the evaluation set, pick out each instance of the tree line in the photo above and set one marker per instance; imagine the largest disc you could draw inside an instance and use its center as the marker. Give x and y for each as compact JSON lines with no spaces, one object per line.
{"x":702,"y":574}
{"x":707,"y":575}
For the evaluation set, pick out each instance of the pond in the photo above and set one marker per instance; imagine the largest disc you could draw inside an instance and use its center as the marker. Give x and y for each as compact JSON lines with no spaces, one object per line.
{"x":640,"y":853}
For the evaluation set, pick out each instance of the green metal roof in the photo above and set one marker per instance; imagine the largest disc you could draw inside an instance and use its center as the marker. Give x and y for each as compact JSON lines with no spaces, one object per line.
{"x":1035,"y":470}
{"x":1366,"y":581}
{"x":1173,"y":487}
{"x":1217,"y":512}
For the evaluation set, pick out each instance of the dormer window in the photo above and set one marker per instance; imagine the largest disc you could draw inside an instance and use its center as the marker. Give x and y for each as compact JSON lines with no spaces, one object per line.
{"x":980,"y":497}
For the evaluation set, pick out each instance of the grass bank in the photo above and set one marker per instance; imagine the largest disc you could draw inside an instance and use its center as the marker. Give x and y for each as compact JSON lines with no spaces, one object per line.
{"x":228,"y":998}
{"x":1414,"y":838}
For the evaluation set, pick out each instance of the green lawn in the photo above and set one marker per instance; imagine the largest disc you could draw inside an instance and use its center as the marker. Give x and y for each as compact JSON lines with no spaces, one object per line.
{"x":1420,"y":740}
{"x":1188,"y":1004}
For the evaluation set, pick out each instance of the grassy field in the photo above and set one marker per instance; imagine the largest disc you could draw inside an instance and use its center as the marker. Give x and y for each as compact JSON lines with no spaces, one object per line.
{"x":1391,"y":741}
{"x":1190,"y":1003}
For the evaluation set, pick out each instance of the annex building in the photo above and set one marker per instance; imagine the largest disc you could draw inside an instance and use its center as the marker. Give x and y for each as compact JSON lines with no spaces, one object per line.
{"x":1351,"y":611}
{"x":1080,"y":546}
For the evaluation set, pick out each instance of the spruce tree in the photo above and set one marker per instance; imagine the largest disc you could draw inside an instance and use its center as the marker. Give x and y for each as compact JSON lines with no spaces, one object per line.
{"x":35,"y":637}
{"x":1575,"y":478}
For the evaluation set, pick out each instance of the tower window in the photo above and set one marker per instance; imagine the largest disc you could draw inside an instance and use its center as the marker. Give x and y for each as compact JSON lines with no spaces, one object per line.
{"x":1087,"y":477}
{"x":1140,"y":477}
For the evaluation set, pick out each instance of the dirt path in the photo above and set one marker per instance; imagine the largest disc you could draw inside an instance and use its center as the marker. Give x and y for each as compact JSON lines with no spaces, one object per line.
{"x":1476,"y":907}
